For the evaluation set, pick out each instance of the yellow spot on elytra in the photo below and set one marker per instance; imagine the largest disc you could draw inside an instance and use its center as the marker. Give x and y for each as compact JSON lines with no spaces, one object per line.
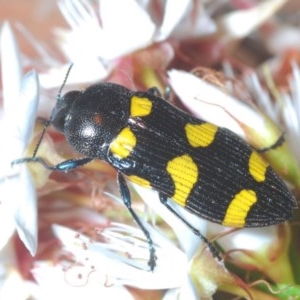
{"x":140,"y":181}
{"x":238,"y":208}
{"x":200,"y":135}
{"x":140,"y":107}
{"x":184,"y":173}
{"x":257,"y":167}
{"x":123,"y":144}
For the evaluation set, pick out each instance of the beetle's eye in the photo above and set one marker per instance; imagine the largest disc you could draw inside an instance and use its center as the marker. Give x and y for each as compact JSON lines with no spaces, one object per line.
{"x":62,"y":109}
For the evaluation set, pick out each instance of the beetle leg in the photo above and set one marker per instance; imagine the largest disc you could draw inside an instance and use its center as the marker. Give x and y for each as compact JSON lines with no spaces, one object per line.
{"x":278,"y":143}
{"x":156,"y":92}
{"x":66,"y":165}
{"x":125,"y":194}
{"x":215,"y":252}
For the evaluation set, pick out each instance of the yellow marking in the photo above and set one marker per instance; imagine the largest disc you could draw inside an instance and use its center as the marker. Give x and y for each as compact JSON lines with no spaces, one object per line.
{"x":140,"y":107}
{"x":123,"y":144}
{"x":200,"y":135}
{"x":238,"y":208}
{"x":140,"y":181}
{"x":257,"y":167}
{"x":184,"y":173}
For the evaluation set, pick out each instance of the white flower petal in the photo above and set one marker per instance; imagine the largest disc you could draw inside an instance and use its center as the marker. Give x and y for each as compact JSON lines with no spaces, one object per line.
{"x":195,"y":23}
{"x":84,"y":40}
{"x":240,"y":23}
{"x":16,"y":189}
{"x":20,"y":105}
{"x":126,"y":27}
{"x":295,"y":87}
{"x":7,"y":209}
{"x":26,"y":111}
{"x":290,"y":118}
{"x":85,"y":70}
{"x":248,"y":238}
{"x":10,"y":150}
{"x":290,"y":112}
{"x":77,"y":13}
{"x":209,"y":102}
{"x":26,"y":211}
{"x":186,"y":291}
{"x":75,"y":283}
{"x":262,"y":97}
{"x":291,"y":124}
{"x":172,"y":17}
{"x":10,"y":68}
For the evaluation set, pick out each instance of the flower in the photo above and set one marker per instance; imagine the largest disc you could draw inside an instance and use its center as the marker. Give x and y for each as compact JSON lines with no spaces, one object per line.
{"x":80,"y":249}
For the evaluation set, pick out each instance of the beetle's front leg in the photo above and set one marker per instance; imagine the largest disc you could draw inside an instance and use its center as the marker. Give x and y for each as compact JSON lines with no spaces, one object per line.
{"x":125,"y":194}
{"x":66,"y":165}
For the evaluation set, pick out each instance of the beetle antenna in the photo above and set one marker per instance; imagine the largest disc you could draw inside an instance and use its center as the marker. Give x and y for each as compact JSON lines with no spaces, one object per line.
{"x":48,"y":122}
{"x":58,"y":97}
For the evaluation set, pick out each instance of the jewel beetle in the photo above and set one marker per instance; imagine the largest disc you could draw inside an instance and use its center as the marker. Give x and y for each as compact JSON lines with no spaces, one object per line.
{"x":208,"y":170}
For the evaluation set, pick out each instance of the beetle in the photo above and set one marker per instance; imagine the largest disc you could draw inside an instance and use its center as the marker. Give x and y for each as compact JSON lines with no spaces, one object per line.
{"x":208,"y":170}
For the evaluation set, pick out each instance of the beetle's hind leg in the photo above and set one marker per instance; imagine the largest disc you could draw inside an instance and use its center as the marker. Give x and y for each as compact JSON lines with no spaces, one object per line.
{"x":278,"y":143}
{"x":215,"y":252}
{"x":156,"y":92}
